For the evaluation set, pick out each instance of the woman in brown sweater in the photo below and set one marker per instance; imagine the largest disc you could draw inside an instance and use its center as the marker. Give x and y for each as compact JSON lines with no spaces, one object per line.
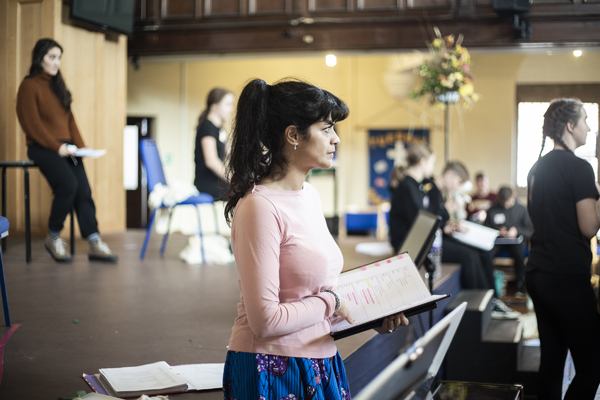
{"x":44,"y":112}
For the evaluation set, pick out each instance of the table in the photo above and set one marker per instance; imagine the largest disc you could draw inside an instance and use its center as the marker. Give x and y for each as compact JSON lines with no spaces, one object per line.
{"x":26,"y":165}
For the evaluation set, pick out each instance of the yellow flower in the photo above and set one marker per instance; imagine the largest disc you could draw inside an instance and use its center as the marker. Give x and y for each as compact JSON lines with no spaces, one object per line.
{"x":466,"y":90}
{"x":436,"y":43}
{"x":457,"y":76}
{"x":449,"y":40}
{"x":475,"y":97}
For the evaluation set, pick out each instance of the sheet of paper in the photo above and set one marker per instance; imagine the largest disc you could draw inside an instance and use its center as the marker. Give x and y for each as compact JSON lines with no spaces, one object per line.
{"x":381,"y":288}
{"x":86,"y":151}
{"x":201,"y":376}
{"x":477,"y":235}
{"x":144,"y":377}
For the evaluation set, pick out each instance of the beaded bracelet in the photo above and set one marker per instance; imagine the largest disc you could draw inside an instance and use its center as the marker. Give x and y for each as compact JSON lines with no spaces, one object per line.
{"x":338,"y":303}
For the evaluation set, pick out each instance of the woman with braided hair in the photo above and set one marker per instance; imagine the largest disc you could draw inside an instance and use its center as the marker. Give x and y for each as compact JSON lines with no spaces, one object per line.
{"x":563,"y":206}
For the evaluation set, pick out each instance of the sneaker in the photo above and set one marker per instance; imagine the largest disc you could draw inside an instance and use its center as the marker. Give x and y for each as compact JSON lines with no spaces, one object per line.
{"x":99,"y":251}
{"x":502,"y":311}
{"x":57,"y":249}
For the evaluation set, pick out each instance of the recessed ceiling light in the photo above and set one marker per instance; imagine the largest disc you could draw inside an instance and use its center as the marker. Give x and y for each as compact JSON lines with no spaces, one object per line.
{"x":330,"y":60}
{"x":577,"y":53}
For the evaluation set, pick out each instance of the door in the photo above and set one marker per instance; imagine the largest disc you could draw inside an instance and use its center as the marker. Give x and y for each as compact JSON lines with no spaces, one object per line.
{"x":137,"y":129}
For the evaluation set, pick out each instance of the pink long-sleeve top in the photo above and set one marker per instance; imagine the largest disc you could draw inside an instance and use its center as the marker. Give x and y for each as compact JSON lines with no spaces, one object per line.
{"x":285,"y":257}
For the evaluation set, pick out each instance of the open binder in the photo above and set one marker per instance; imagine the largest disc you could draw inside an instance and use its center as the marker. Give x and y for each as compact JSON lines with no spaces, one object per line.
{"x":380,"y":289}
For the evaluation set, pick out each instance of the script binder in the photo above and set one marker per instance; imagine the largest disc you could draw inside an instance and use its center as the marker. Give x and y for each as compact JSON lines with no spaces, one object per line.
{"x":380,"y":289}
{"x":156,"y":378}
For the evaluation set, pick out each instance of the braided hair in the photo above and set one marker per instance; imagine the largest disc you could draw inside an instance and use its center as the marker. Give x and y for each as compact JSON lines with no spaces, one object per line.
{"x":558,"y":114}
{"x":263,"y":114}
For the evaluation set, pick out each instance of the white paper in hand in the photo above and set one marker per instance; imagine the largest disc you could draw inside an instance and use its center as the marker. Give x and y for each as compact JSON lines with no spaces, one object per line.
{"x":86,"y":151}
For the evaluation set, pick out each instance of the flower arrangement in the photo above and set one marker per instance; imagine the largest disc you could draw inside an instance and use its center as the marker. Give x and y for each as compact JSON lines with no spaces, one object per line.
{"x":447,"y":72}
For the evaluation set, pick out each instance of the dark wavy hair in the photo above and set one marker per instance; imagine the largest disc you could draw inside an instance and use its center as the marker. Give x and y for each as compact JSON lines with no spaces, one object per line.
{"x":559,"y":112}
{"x":263,"y":114}
{"x":57,"y":83}
{"x":214,"y":97}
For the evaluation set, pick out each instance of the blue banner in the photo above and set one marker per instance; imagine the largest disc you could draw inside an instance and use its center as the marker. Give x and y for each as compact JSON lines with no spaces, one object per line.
{"x":384,"y":147}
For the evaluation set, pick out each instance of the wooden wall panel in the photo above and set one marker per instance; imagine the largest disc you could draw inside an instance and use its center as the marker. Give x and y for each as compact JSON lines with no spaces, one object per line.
{"x":268,"y":7}
{"x":178,"y":9}
{"x":34,"y":21}
{"x":222,"y":8}
{"x":152,"y":10}
{"x":551,"y":1}
{"x":427,"y":3}
{"x":94,"y":67}
{"x":378,"y":4}
{"x":329,"y":5}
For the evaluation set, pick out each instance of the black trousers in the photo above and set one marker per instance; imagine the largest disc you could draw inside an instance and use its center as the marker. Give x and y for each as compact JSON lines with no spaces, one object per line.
{"x":70,"y":187}
{"x":567,"y":319}
{"x":517,"y":253}
{"x":477,"y":269}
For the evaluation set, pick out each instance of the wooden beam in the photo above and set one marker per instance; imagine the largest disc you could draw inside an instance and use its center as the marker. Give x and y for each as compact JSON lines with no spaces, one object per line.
{"x":482,"y":32}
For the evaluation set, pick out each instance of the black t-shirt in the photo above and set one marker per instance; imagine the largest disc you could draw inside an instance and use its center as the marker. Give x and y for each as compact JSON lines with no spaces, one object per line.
{"x":560,"y":180}
{"x":408,"y":198}
{"x":206,"y":180}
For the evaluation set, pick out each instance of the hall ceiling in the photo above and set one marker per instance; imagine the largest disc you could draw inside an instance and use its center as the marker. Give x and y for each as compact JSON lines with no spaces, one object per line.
{"x":167,"y":27}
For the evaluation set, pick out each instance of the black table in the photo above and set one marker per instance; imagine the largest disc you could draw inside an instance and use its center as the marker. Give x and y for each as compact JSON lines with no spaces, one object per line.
{"x":25,"y":165}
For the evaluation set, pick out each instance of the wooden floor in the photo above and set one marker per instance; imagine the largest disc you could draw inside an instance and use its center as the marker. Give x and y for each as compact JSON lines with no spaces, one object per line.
{"x":79,"y":317}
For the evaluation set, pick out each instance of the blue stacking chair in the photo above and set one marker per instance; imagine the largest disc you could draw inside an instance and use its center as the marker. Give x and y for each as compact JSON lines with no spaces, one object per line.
{"x":4,"y":233}
{"x":154,"y":175}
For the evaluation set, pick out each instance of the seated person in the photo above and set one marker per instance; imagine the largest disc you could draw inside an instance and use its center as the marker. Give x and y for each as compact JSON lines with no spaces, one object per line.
{"x":416,"y":190}
{"x":477,"y":270}
{"x":481,"y":200}
{"x":511,"y":219}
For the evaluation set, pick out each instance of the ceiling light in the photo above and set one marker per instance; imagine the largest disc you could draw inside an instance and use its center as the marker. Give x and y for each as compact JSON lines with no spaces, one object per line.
{"x":577,"y":53}
{"x":330,"y":60}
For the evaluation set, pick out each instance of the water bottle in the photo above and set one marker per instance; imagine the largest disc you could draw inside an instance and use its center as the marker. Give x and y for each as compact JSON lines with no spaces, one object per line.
{"x":436,"y":254}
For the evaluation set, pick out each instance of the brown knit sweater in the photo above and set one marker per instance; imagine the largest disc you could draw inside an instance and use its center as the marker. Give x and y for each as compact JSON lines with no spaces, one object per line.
{"x":43,"y":118}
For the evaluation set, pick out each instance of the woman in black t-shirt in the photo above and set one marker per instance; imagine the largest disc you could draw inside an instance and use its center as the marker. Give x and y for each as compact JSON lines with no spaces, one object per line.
{"x":409,"y":194}
{"x":210,"y":146}
{"x":562,"y":205}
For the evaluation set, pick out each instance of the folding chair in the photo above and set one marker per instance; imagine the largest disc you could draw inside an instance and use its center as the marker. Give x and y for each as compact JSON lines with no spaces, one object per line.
{"x":154,"y":175}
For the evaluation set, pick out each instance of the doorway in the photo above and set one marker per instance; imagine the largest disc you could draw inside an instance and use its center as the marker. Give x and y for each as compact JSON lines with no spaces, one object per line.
{"x":134,"y":180}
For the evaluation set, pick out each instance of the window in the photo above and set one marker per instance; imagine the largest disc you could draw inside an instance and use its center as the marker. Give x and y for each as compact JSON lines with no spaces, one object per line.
{"x":529,"y":137}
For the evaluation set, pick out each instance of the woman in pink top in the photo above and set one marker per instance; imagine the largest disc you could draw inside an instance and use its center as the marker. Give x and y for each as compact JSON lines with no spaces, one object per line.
{"x":288,"y":263}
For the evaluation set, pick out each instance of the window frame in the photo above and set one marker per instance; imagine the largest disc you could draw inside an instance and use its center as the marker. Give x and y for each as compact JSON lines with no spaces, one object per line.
{"x":539,"y":93}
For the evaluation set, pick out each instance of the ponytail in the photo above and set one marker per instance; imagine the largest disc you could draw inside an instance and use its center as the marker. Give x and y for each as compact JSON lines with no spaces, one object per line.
{"x":248,"y":161}
{"x":263,"y":113}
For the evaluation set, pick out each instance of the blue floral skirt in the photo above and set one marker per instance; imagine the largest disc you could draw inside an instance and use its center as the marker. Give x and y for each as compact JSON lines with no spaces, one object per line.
{"x":251,"y":376}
